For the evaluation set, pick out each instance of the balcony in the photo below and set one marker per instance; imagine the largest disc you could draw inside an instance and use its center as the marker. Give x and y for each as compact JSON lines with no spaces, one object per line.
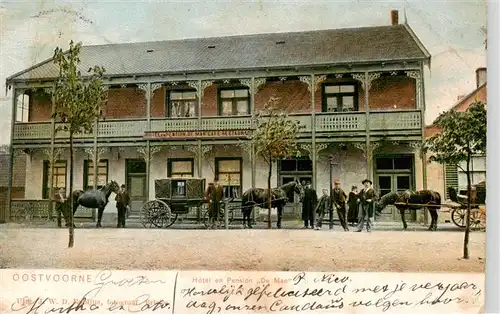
{"x":403,"y":122}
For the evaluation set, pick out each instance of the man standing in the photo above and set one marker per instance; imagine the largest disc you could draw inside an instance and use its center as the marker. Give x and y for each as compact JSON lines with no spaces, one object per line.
{"x":214,"y":194}
{"x":61,"y":208}
{"x":308,"y":206}
{"x":367,"y":198}
{"x":122,"y":204}
{"x":339,"y":197}
{"x":322,"y":208}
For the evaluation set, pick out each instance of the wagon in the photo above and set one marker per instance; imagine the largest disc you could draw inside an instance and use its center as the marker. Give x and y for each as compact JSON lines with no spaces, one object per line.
{"x":478,"y":211}
{"x":173,"y":197}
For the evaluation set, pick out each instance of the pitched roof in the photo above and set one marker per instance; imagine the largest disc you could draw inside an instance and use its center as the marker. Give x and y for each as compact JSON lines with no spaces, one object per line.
{"x":462,"y":104}
{"x":275,"y":50}
{"x":19,"y":172}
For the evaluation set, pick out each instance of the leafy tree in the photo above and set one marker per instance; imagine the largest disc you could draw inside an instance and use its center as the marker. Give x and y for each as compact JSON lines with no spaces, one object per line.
{"x":274,"y":138}
{"x":462,"y":135}
{"x":78,"y":102}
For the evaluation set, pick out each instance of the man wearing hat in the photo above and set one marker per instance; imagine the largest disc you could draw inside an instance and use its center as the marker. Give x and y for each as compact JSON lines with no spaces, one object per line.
{"x":338,"y":198}
{"x":309,"y":202}
{"x":367,"y":198}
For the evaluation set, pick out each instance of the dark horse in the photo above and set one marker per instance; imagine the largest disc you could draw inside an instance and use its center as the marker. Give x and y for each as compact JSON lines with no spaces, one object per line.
{"x":258,"y":197}
{"x":424,"y":197}
{"x":95,"y":199}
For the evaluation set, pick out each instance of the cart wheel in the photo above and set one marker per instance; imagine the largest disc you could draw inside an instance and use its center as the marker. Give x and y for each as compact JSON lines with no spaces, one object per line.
{"x":205,"y":215}
{"x":230,"y":215}
{"x":477,"y":220}
{"x":458,"y":217}
{"x":151,"y":211}
{"x":162,"y":216}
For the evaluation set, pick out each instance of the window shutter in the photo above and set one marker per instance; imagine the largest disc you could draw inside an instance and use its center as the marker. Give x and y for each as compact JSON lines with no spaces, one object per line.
{"x":450,"y":177}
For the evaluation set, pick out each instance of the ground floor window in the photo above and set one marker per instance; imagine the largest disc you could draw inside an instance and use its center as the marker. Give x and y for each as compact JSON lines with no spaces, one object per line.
{"x":180,"y":168}
{"x":88,"y":173}
{"x":228,"y":172}
{"x":478,"y":173}
{"x":59,"y":175}
{"x":393,"y":174}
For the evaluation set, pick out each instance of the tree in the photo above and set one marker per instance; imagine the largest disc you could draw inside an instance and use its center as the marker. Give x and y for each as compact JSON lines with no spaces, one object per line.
{"x":78,"y":101}
{"x":462,"y":135}
{"x":274,"y":138}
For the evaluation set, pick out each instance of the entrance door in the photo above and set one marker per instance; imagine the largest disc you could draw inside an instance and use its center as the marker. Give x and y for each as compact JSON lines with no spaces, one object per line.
{"x":293,"y":207}
{"x":136,"y":184}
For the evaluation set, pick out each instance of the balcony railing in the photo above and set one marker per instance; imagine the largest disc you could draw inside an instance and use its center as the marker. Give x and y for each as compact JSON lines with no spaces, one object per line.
{"x":399,"y":120}
{"x":352,"y":121}
{"x":325,"y":122}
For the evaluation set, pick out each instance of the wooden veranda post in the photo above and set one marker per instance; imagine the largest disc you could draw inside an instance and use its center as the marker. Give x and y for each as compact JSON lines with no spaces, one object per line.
{"x":11,"y":156}
{"x":52,"y":152}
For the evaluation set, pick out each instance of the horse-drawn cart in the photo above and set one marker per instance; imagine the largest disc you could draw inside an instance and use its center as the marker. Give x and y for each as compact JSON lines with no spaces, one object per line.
{"x":173,"y":197}
{"x":478,"y":208}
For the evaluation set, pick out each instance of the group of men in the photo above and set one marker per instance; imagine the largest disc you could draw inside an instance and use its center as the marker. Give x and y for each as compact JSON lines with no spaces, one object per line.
{"x":361,"y":206}
{"x":62,"y":206}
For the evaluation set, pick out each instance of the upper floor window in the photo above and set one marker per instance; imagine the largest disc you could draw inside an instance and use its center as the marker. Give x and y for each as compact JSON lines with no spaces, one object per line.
{"x":181,"y":104}
{"x":340,"y":98}
{"x":22,"y":110}
{"x":234,"y":102}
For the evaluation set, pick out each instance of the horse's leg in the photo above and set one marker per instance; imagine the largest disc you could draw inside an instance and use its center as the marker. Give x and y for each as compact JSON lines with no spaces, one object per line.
{"x":249,"y":214}
{"x":402,"y":212}
{"x":279,"y":210}
{"x":244,"y":211}
{"x":100,"y":211}
{"x":434,"y":218}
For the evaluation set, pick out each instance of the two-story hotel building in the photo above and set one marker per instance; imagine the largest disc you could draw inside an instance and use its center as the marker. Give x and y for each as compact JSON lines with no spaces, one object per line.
{"x":180,"y":108}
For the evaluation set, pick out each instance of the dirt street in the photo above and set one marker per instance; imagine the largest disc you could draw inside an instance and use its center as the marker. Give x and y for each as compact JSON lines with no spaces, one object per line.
{"x":272,"y":250}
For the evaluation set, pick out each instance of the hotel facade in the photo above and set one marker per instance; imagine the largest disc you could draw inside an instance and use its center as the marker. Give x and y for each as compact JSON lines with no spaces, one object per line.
{"x":181,"y":108}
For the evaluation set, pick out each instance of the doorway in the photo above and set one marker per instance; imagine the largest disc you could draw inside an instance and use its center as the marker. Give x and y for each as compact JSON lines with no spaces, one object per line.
{"x":136,"y":184}
{"x":394,"y":174}
{"x":299,"y":169}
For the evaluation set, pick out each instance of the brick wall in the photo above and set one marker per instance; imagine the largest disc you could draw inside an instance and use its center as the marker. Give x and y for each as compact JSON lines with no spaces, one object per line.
{"x":387,"y":92}
{"x":39,"y":110}
{"x":125,"y":103}
{"x":392,"y":92}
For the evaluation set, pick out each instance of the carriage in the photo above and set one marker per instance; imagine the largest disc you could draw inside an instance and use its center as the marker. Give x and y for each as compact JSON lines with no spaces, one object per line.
{"x":173,"y":197}
{"x":478,"y":210}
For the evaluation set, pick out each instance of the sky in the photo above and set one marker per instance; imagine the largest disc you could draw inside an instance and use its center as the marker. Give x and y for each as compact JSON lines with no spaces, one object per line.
{"x":452,"y":31}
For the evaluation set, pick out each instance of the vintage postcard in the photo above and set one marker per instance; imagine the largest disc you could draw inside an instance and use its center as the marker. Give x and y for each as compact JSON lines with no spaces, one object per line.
{"x":243,"y":156}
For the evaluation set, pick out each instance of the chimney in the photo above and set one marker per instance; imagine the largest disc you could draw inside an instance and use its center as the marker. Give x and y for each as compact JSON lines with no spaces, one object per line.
{"x":394,"y":17}
{"x":480,"y":76}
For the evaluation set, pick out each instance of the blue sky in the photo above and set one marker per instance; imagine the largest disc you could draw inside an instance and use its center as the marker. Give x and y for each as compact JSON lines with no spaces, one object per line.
{"x":450,"y":30}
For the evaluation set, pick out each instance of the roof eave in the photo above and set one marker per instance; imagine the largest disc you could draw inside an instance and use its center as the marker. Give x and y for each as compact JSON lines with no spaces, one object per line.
{"x":417,"y":41}
{"x":12,"y":78}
